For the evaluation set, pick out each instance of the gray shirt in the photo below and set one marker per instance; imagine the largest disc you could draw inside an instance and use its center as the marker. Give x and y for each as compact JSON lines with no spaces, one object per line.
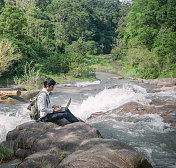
{"x":44,"y":104}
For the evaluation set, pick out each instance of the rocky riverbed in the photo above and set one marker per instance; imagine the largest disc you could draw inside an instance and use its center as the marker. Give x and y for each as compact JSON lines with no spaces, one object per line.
{"x":120,"y":108}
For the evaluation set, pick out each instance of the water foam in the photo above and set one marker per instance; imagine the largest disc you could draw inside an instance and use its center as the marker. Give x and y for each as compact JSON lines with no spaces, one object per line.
{"x":86,"y":83}
{"x":109,"y":99}
{"x":11,"y":117}
{"x":169,"y":96}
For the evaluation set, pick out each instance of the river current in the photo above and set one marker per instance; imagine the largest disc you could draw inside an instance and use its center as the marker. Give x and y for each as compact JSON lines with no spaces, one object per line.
{"x":146,"y":133}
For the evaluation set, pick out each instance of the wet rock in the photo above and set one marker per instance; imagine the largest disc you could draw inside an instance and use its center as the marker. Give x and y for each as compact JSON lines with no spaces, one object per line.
{"x":101,"y":153}
{"x":167,"y":112}
{"x":159,"y":89}
{"x":95,"y":115}
{"x":167,"y":81}
{"x":73,"y":145}
{"x":161,"y":82}
{"x":65,"y":85}
{"x":21,"y":153}
{"x":116,"y":77}
{"x":12,"y":164}
{"x":12,"y":135}
{"x":113,"y":87}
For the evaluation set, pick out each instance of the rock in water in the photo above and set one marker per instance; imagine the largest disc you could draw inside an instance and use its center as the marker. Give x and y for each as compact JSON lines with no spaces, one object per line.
{"x":78,"y":145}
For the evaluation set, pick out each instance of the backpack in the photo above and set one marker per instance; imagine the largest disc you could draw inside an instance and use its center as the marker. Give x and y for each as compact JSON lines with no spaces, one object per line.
{"x":33,"y":107}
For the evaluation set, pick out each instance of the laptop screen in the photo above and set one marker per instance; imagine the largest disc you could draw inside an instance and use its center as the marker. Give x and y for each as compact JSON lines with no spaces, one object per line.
{"x":68,"y":104}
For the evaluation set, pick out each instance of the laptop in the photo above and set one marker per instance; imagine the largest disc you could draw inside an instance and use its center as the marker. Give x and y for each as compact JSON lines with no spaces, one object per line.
{"x":66,"y":107}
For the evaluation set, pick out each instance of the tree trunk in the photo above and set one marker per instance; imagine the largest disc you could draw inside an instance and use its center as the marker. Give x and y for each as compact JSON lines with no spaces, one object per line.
{"x":4,"y":93}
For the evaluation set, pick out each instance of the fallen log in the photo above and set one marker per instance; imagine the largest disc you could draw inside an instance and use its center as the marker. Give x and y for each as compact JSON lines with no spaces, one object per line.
{"x":10,"y":93}
{"x":12,"y":89}
{"x":6,"y":89}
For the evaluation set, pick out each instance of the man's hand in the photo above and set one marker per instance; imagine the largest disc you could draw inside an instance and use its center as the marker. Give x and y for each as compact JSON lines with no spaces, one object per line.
{"x":57,"y":108}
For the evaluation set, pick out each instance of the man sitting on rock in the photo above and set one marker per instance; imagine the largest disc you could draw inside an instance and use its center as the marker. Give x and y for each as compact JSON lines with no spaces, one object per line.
{"x":47,"y":112}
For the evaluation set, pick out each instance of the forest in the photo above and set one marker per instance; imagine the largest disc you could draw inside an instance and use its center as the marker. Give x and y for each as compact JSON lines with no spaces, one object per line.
{"x":68,"y":36}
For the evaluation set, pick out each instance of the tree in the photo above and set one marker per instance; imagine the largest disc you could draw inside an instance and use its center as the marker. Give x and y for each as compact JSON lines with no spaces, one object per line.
{"x":166,"y":16}
{"x":104,"y":22}
{"x":8,"y":53}
{"x":142,"y":26}
{"x":82,"y":47}
{"x":165,"y":48}
{"x":13,"y":21}
{"x":120,"y":45}
{"x":70,"y":20}
{"x":150,"y":35}
{"x":1,"y":4}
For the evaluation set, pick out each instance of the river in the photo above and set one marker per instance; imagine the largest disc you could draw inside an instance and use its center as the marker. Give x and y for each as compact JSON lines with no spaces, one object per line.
{"x":146,"y":133}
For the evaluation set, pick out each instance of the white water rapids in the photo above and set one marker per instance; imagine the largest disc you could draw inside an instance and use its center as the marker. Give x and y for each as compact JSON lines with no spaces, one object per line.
{"x":147,"y":133}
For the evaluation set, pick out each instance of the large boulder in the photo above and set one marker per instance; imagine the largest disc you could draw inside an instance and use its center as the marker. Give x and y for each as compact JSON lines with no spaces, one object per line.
{"x":101,"y":153}
{"x":78,"y":145}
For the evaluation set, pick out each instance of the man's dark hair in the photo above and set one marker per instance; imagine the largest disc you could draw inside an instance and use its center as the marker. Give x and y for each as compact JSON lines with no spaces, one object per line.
{"x":49,"y":82}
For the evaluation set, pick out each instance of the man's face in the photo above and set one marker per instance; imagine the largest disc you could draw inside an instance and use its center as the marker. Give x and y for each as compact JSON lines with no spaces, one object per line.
{"x":49,"y":88}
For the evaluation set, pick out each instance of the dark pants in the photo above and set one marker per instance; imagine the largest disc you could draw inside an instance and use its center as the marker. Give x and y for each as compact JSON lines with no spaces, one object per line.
{"x":51,"y":117}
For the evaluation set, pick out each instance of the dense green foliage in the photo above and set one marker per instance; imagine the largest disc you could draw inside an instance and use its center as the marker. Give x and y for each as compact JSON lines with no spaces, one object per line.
{"x":58,"y":36}
{"x":148,"y":40}
{"x":12,"y":21}
{"x":66,"y":36}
